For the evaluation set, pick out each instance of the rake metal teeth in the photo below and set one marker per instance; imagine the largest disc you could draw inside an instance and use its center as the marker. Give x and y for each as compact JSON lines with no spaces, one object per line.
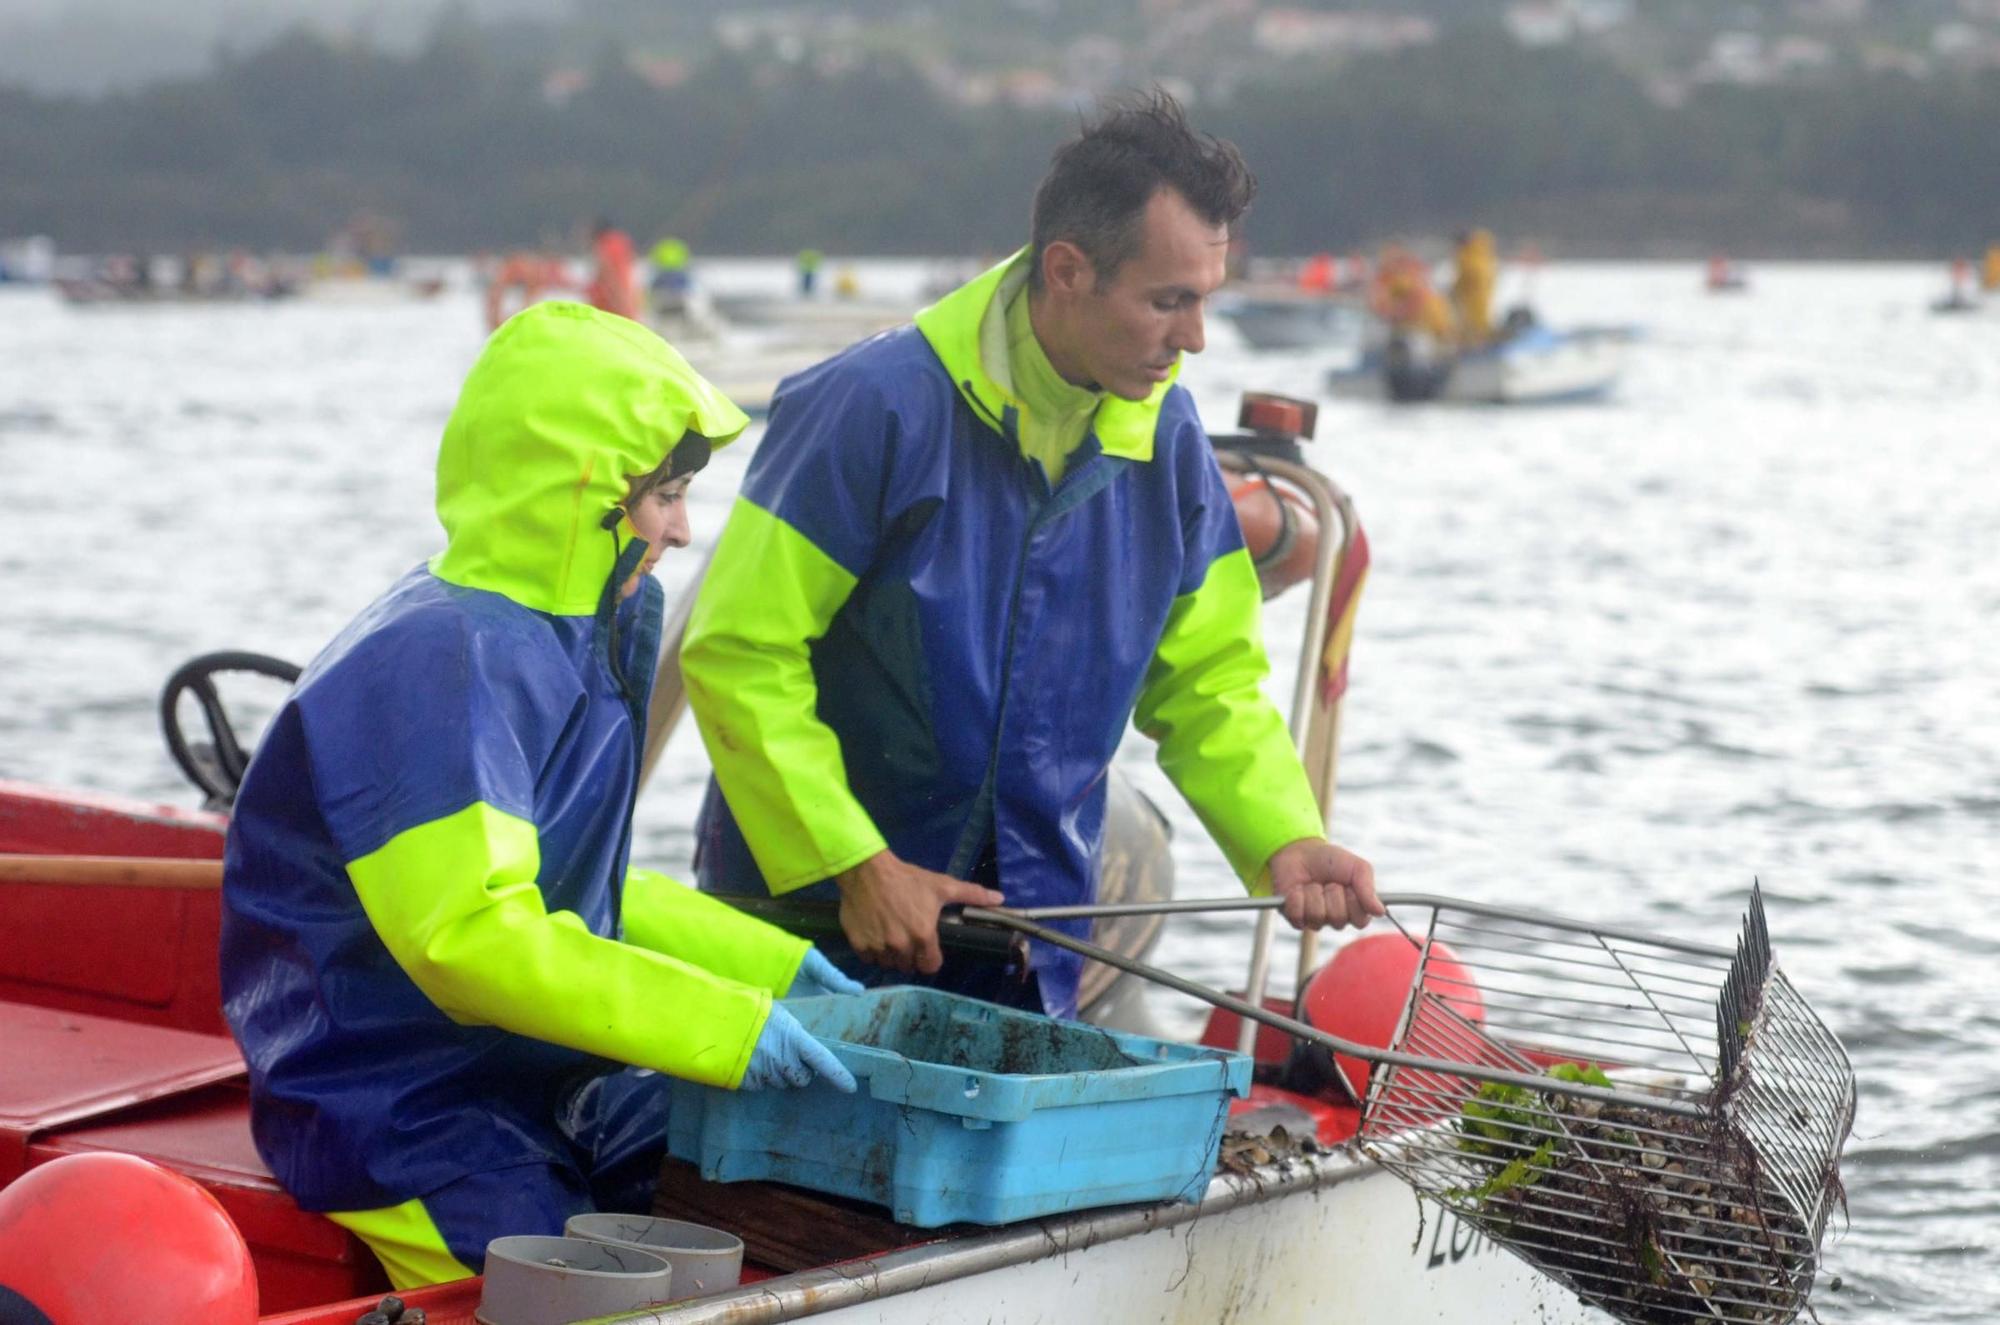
{"x":1757,"y":932}
{"x":1742,"y":989}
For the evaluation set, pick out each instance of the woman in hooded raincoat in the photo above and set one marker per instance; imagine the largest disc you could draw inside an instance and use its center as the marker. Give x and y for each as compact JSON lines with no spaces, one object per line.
{"x":459,"y":1006}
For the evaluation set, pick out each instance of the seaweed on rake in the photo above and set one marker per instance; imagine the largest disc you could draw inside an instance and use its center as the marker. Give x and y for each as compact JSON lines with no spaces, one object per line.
{"x":1674,"y":1179}
{"x":1658,"y":1217}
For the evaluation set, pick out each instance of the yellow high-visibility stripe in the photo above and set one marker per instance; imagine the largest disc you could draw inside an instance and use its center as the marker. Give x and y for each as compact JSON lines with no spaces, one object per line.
{"x":456,"y":903}
{"x":406,"y":1240}
{"x":1222,"y":741}
{"x":769,"y":592}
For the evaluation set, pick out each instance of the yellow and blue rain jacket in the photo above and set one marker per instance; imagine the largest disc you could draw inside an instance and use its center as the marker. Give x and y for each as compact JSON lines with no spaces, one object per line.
{"x":429,"y":929}
{"x":909,"y":638}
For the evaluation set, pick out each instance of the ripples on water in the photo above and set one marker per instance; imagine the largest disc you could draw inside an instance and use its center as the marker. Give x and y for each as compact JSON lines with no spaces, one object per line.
{"x":1613,"y":660}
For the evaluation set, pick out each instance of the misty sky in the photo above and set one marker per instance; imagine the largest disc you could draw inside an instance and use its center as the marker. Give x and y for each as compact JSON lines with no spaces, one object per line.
{"x":91,"y":46}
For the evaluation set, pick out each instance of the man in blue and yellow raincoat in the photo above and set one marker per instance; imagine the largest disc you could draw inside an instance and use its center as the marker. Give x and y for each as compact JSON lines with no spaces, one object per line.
{"x":434,"y":954}
{"x":967,"y":553}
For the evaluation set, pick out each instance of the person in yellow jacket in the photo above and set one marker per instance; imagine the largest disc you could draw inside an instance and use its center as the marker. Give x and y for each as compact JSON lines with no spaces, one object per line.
{"x":967,"y":554}
{"x":1476,"y":270}
{"x":459,"y":1004}
{"x":1989,"y":269}
{"x":807,"y":265}
{"x":672,"y":277}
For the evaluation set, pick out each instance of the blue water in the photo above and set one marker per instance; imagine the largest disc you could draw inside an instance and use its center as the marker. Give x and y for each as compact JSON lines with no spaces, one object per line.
{"x":1614,"y":660}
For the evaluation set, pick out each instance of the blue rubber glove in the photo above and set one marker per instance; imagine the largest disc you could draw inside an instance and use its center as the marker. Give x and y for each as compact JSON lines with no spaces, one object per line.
{"x":787,"y":1055}
{"x":817,"y":975}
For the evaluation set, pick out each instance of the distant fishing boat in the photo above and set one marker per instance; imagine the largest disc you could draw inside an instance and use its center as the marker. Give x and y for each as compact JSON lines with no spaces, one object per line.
{"x":92,"y":292}
{"x":1288,"y":319}
{"x":1726,"y":276}
{"x":830,"y":318}
{"x":372,"y":289}
{"x":1960,"y":296}
{"x":749,"y":373}
{"x":1533,"y":365}
{"x":748,"y":343}
{"x":29,"y":260}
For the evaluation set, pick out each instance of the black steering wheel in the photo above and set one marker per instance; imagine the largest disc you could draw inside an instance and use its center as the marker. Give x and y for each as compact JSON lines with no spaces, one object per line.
{"x":216,"y":765}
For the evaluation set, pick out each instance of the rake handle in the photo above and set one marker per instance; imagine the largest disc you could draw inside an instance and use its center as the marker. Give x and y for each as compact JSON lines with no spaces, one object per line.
{"x":1299,"y":1030}
{"x":1097,"y":910}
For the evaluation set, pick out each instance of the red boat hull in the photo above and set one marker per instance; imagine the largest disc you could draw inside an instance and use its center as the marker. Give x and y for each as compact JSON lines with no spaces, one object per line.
{"x":111,"y":1009}
{"x":136,"y":954}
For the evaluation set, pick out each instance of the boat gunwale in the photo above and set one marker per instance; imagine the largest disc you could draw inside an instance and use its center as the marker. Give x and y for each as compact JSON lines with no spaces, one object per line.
{"x":904,"y":1270}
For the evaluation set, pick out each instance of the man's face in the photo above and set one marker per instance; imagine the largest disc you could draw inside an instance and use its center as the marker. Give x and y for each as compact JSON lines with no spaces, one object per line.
{"x":1135,"y":327}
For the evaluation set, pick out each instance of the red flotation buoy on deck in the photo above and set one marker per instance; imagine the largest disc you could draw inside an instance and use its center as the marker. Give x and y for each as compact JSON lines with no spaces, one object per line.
{"x":1359,"y":996}
{"x":101,"y":1238}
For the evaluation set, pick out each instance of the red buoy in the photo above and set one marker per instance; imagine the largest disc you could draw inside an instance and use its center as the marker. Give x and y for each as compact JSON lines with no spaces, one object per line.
{"x":97,"y":1238}
{"x":1359,"y":996}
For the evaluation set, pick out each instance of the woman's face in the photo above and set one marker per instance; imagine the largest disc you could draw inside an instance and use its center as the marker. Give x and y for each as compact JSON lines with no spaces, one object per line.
{"x":659,"y":516}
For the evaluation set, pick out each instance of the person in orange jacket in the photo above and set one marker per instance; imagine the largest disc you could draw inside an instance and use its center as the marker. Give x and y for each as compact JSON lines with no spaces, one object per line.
{"x":614,"y":284}
{"x":1402,"y":295}
{"x":522,"y":278}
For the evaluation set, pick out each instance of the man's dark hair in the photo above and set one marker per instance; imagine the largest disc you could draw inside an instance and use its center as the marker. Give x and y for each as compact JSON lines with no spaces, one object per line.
{"x":1099,"y":182}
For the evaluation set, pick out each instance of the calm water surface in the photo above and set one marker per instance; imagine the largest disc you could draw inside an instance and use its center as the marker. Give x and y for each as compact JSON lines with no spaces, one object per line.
{"x":1616,"y":660}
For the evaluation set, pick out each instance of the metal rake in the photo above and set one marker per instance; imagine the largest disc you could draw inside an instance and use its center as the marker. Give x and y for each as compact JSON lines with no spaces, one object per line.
{"x":1655,"y":1123}
{"x":1699,"y":1195}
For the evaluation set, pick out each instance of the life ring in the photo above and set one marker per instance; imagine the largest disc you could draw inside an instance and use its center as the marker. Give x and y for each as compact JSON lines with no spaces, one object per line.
{"x":1279,"y":528}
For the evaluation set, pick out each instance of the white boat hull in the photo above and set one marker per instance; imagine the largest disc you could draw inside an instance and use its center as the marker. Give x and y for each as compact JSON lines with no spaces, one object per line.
{"x":746,"y":362}
{"x":1296,"y":323}
{"x":1332,"y":1240}
{"x":355,"y":290}
{"x":1541,"y":368}
{"x":821,"y":318}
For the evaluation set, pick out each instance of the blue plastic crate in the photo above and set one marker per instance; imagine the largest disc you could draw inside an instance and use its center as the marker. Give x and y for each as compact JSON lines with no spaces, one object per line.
{"x":971,"y":1111}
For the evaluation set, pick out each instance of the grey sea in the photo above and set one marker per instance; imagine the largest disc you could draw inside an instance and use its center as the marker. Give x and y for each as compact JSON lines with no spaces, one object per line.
{"x":1736,"y":623}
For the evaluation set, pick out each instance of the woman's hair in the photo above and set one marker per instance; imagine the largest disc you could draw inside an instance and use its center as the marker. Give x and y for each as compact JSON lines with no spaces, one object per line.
{"x":1099,"y":182}
{"x":689,"y":455}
